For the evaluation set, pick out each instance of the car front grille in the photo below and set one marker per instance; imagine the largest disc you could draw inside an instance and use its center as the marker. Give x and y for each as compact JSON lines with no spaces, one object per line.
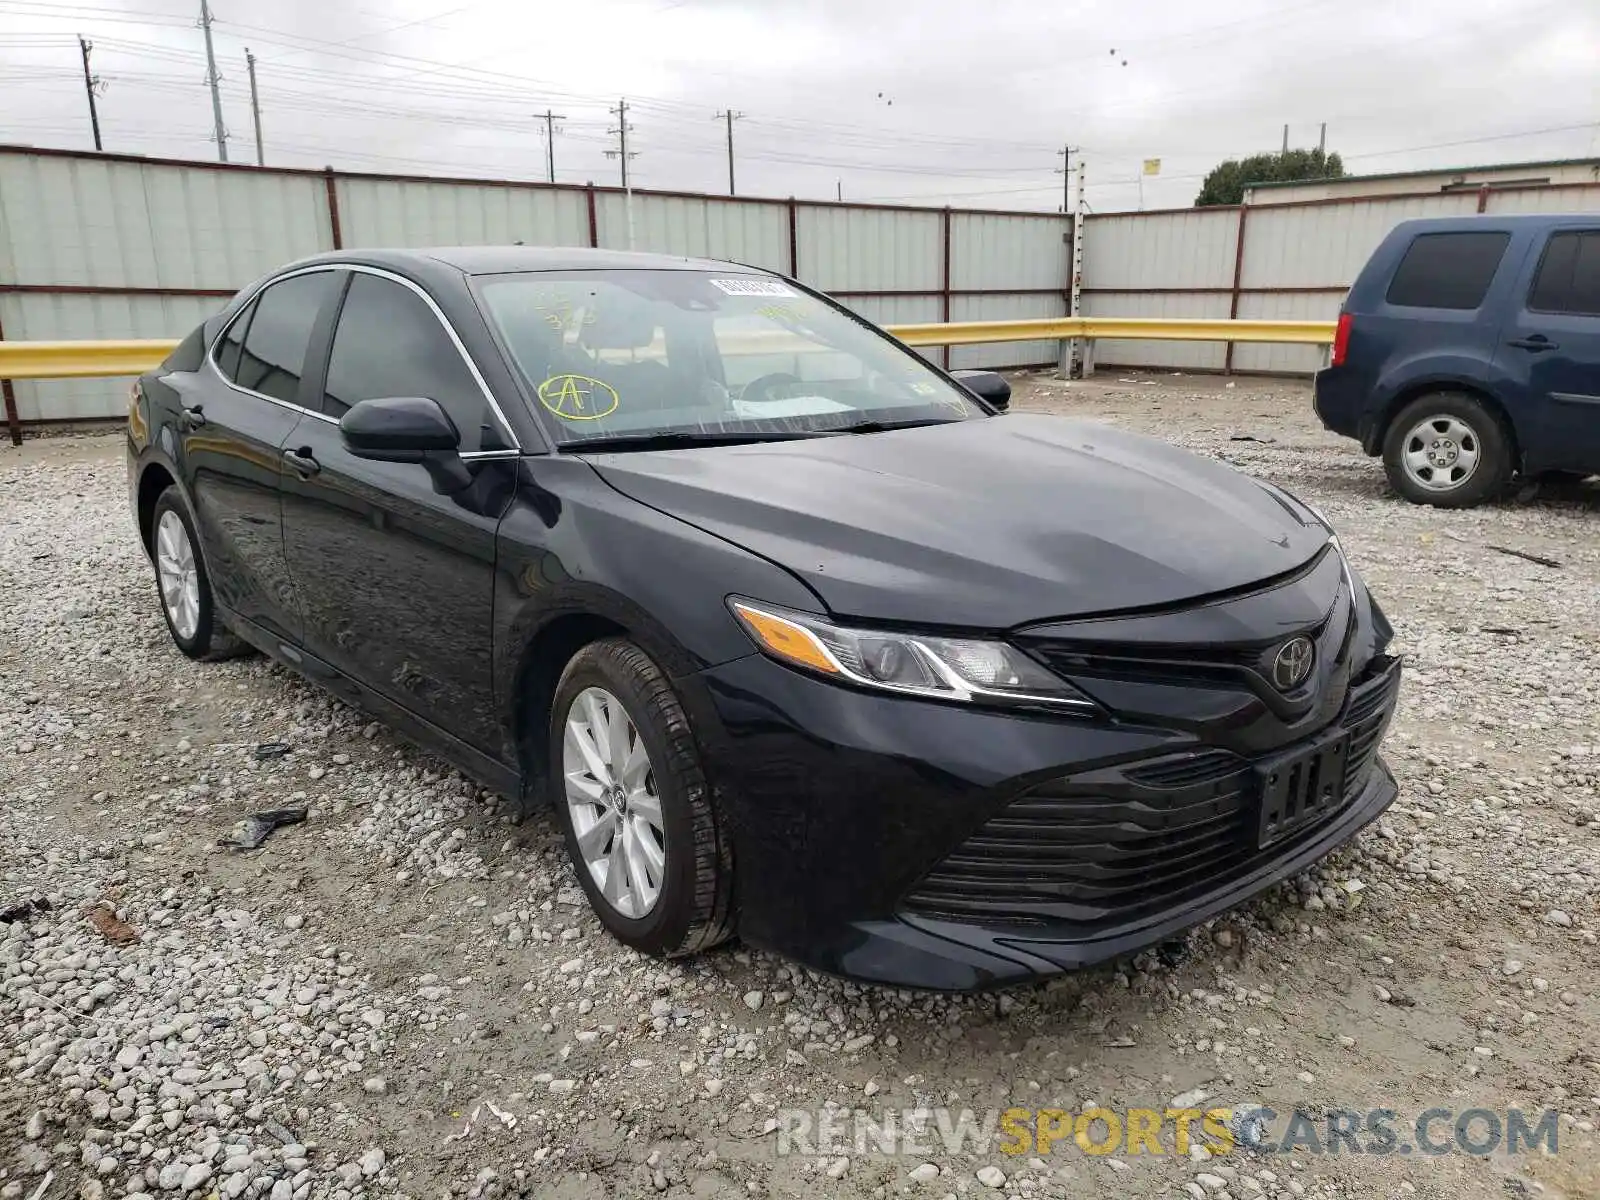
{"x":1103,"y":847}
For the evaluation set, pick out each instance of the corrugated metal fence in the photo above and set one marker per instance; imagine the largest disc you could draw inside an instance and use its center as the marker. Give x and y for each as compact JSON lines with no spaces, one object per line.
{"x":1283,"y":262}
{"x":106,"y":246}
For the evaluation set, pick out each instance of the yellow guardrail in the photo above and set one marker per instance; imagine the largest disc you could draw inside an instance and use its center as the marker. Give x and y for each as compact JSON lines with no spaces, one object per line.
{"x":971,"y":333}
{"x":82,"y":360}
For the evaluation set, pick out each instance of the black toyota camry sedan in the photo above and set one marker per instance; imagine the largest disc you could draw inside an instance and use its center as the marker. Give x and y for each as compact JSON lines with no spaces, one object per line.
{"x":798,"y":636}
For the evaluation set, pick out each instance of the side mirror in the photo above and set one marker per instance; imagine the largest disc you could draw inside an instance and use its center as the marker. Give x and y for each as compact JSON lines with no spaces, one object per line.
{"x":408,"y":429}
{"x":988,"y":386}
{"x":398,"y":429}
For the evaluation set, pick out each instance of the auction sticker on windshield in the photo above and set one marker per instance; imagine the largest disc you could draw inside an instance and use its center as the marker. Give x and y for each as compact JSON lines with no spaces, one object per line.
{"x":752,"y":287}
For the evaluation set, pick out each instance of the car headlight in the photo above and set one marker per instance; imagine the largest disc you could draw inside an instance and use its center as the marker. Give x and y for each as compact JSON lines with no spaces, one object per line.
{"x":941,"y":668}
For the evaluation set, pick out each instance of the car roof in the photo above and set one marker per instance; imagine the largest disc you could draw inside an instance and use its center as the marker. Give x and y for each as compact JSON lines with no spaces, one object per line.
{"x":494,"y":260}
{"x":1491,"y":221}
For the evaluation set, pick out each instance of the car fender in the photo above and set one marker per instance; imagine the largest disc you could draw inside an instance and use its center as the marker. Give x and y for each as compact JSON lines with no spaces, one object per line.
{"x":578,"y":559}
{"x":162,"y":450}
{"x":1408,"y":377}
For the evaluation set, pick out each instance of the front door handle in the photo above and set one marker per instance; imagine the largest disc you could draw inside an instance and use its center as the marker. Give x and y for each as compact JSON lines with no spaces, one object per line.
{"x":194,"y":417}
{"x":1535,"y":343}
{"x":302,"y":461}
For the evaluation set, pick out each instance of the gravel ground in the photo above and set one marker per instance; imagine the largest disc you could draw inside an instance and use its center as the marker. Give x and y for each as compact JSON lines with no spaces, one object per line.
{"x":407,"y":996}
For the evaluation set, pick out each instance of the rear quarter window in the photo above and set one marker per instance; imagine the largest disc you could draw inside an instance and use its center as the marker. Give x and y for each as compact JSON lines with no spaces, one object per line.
{"x":188,"y":354}
{"x":1447,"y":270}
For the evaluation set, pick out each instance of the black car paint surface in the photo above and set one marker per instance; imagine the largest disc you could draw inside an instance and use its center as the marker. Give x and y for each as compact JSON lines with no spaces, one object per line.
{"x":1152,"y":580}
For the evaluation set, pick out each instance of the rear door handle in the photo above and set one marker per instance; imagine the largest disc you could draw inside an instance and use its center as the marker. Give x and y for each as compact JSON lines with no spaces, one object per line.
{"x":1535,"y":343}
{"x":302,"y":461}
{"x":194,"y":417}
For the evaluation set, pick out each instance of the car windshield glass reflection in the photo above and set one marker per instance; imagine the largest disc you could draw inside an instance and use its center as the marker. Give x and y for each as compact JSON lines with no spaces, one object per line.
{"x":633,"y":354}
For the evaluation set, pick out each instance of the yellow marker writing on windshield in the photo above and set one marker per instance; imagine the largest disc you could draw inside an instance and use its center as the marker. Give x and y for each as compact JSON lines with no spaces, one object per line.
{"x":578,"y":397}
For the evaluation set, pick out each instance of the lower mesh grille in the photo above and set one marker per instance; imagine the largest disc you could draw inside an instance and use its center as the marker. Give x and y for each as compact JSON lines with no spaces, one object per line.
{"x":1107,"y":846}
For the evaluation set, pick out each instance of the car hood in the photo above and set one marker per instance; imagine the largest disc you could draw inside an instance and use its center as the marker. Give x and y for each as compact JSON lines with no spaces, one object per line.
{"x":986,"y":523}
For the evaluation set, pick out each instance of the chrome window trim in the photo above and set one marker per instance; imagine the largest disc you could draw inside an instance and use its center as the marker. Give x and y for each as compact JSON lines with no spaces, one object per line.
{"x":361,"y":268}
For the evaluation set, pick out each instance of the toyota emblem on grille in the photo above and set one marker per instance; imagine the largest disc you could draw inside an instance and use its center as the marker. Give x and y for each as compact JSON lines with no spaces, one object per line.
{"x":1292,"y":663}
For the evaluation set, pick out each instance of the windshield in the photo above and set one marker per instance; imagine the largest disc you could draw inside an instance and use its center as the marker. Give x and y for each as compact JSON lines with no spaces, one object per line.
{"x":634,"y":354}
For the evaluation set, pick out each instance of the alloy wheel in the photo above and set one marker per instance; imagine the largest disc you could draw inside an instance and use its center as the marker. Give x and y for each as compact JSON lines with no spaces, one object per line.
{"x":178,"y":575}
{"x":613,"y":802}
{"x":1440,"y":453}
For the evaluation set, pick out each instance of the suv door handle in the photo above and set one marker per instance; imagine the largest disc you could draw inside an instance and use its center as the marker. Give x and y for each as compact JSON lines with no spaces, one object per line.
{"x":193,"y":418}
{"x":302,"y":461}
{"x":1535,"y":343}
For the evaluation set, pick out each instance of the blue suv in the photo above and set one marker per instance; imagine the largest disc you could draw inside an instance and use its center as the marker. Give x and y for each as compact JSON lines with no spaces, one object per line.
{"x":1469,"y":350}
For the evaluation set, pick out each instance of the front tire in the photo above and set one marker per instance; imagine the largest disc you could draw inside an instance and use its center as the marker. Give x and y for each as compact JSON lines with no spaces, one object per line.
{"x":1449,"y":450}
{"x":648,"y":845}
{"x":182,"y":585}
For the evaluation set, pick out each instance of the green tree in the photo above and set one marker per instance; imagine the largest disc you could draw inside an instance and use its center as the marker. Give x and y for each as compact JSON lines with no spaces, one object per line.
{"x":1227,"y":181}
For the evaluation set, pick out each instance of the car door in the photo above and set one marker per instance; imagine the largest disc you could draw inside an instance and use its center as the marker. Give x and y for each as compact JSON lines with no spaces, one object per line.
{"x":1550,"y":349}
{"x":238,"y":410}
{"x":396,"y":580}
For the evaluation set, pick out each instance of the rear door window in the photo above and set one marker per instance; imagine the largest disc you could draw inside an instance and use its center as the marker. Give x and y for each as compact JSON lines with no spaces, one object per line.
{"x":1569,"y":275}
{"x":1447,"y":270}
{"x":274,"y":351}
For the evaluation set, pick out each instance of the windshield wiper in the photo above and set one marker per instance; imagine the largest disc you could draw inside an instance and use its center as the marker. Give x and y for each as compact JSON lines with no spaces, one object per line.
{"x":885,"y":426}
{"x":675,"y":439}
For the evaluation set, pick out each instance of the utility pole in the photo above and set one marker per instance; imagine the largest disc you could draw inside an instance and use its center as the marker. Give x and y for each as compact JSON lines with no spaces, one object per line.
{"x":838,"y":187}
{"x":89,"y":85}
{"x":214,"y":79}
{"x":622,"y":131}
{"x":623,"y":154}
{"x":255,"y":105}
{"x":550,"y":119}
{"x":730,"y":116}
{"x":1065,"y":171}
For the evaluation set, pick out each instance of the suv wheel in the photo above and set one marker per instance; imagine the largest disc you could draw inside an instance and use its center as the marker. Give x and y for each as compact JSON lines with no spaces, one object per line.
{"x":184,"y":587}
{"x":1447,"y":449}
{"x":648,"y":845}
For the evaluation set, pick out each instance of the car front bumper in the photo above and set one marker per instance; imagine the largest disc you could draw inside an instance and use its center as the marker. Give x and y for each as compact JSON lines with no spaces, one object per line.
{"x":939,"y":846}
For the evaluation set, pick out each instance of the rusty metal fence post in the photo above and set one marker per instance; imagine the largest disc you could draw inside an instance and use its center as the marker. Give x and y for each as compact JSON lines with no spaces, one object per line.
{"x":13,"y":418}
{"x":1238,"y":278}
{"x":330,"y":181}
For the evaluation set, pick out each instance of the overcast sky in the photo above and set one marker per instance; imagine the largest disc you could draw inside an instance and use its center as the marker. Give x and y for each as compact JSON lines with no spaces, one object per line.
{"x":934,"y":101}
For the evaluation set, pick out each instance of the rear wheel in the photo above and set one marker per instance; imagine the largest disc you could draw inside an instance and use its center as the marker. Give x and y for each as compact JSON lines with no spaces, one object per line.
{"x":1447,"y":449}
{"x":183,"y":586}
{"x":641,"y":825}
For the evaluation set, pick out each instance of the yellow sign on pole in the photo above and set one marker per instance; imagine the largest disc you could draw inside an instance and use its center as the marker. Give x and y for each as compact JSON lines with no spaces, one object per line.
{"x":1152,"y":166}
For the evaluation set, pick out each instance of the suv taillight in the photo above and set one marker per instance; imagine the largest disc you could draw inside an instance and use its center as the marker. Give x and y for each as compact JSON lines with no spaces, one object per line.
{"x":1341,"y":340}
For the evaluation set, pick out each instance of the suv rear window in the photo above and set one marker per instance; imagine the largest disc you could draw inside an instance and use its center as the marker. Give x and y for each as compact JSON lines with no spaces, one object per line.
{"x":1447,"y":270}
